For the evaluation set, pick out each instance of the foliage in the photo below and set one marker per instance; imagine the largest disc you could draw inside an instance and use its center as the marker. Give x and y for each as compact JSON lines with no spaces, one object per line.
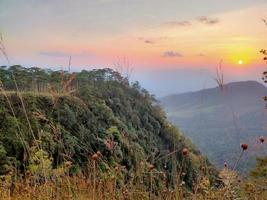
{"x":105,"y":118}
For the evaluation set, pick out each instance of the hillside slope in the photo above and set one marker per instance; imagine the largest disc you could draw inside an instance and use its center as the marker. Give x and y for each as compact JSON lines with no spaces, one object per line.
{"x":218,"y":121}
{"x":104,"y":114}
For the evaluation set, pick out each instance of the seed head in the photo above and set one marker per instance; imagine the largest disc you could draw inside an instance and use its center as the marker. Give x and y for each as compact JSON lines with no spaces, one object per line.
{"x":185,"y":151}
{"x":182,"y":183}
{"x":68,"y":164}
{"x":117,"y":168}
{"x":95,"y":156}
{"x":262,"y":139}
{"x":165,"y":166}
{"x":99,"y":153}
{"x":165,"y":191}
{"x":244,"y":146}
{"x":151,"y":167}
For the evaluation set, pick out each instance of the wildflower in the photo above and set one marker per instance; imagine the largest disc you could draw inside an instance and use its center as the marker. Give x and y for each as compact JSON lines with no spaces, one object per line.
{"x":117,"y":168}
{"x":182,"y":183}
{"x":262,"y":139}
{"x":68,"y":164}
{"x":109,"y":144}
{"x":244,"y":146}
{"x":125,"y":192}
{"x":151,"y":167}
{"x":28,"y":173}
{"x":165,"y":167}
{"x":165,"y":191}
{"x":99,"y":153}
{"x":164,"y":176}
{"x":95,"y":156}
{"x":185,"y":151}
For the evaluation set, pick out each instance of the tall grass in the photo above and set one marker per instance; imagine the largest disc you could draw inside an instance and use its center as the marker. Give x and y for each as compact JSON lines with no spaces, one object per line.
{"x":42,"y":181}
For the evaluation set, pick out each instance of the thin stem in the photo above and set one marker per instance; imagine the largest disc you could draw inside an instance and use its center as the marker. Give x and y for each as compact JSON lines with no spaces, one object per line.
{"x":239,"y":158}
{"x":94,"y":189}
{"x":151,"y":184}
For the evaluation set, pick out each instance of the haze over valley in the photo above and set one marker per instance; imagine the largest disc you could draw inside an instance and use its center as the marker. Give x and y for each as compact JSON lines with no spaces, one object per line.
{"x":133,"y":100}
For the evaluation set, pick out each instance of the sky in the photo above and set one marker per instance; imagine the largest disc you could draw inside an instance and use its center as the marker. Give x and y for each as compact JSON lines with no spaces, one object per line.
{"x":172,"y":46}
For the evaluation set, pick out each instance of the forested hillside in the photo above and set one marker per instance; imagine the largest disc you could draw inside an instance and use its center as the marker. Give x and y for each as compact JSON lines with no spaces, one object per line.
{"x":94,"y":125}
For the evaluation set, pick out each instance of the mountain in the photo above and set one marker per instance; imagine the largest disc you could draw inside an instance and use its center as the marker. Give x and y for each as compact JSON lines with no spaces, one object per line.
{"x":57,"y":119}
{"x":217,"y":121}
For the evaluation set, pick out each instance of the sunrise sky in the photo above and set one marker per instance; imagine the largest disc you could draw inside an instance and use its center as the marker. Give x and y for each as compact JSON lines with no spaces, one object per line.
{"x":172,"y":45}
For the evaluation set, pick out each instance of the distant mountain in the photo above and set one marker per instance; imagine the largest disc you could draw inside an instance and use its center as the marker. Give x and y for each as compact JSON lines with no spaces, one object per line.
{"x":218,"y":120}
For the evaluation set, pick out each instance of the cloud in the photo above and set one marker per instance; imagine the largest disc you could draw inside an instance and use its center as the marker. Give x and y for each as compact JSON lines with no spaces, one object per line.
{"x":147,"y":41}
{"x":201,"y":54}
{"x":208,"y":20}
{"x":171,"y":54}
{"x":187,"y":23}
{"x":62,"y":54}
{"x":153,"y":40}
{"x":178,"y":23}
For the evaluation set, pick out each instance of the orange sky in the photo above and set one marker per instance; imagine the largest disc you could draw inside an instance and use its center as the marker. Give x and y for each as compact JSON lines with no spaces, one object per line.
{"x":152,"y":35}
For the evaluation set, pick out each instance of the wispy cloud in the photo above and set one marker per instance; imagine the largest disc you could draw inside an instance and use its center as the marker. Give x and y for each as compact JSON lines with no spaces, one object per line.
{"x":201,"y":54}
{"x":171,"y":54}
{"x":208,"y":20}
{"x":152,"y":40}
{"x":178,"y":23}
{"x":147,"y":40}
{"x":188,"y":23}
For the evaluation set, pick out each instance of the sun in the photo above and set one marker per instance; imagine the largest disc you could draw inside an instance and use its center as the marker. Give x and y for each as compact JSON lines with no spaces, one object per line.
{"x":240,"y":62}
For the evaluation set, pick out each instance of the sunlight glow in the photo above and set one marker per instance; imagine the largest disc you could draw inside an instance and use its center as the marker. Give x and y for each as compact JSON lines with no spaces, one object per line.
{"x":240,"y":62}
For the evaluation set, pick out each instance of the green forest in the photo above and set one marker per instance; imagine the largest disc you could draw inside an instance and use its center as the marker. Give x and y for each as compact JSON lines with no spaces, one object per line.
{"x":50,"y":119}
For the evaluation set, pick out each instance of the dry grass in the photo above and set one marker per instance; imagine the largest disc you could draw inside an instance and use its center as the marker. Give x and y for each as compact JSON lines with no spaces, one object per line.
{"x":41,"y":182}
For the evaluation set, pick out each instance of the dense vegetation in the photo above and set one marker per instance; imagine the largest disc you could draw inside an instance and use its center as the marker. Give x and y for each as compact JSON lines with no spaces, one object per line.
{"x":92,"y":124}
{"x":93,"y":135}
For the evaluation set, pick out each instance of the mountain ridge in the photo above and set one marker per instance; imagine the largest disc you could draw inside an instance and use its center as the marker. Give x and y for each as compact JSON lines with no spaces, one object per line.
{"x":230,"y":84}
{"x":212,"y":117}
